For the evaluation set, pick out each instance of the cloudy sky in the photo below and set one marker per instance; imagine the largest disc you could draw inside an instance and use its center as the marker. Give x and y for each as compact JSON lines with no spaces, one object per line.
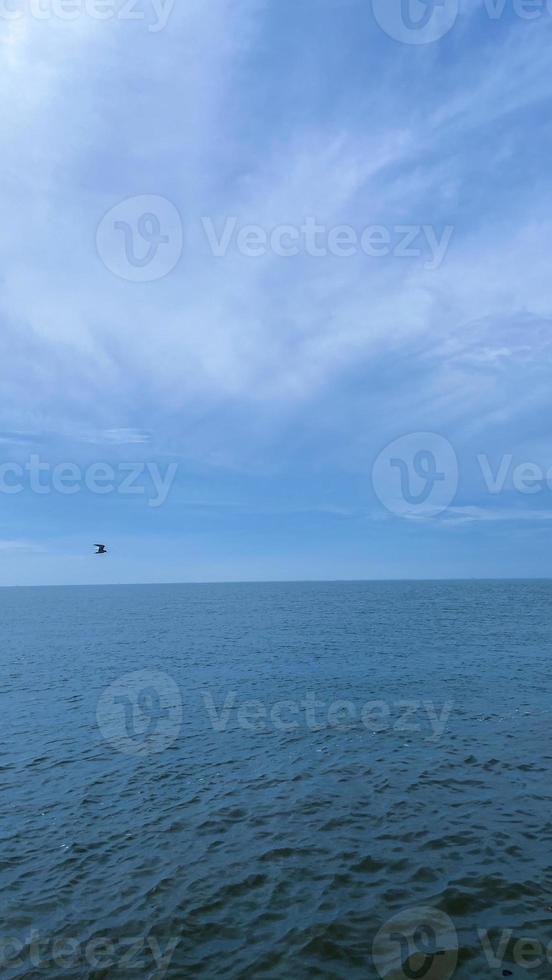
{"x":275,"y":289}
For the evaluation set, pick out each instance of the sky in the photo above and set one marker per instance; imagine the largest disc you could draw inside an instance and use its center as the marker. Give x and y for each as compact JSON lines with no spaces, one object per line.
{"x":275,"y":290}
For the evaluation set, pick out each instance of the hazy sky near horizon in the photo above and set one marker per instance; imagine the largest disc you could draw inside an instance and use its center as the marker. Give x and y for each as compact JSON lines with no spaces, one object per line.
{"x":395,"y":290}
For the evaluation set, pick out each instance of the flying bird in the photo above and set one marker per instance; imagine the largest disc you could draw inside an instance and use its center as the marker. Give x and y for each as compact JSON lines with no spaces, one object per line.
{"x":102,"y":550}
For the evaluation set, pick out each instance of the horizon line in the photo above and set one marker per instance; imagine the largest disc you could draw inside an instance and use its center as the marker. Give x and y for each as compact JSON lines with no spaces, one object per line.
{"x":306,"y":581}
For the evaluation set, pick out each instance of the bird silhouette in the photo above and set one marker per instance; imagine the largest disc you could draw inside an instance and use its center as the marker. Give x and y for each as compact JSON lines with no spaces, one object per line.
{"x":102,"y":550}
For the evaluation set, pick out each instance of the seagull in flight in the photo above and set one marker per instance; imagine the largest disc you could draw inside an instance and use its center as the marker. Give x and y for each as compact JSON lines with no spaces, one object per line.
{"x":102,"y":550}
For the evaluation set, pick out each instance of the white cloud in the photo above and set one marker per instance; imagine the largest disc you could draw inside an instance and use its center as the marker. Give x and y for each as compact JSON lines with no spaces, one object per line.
{"x":20,"y":546}
{"x":102,"y":111}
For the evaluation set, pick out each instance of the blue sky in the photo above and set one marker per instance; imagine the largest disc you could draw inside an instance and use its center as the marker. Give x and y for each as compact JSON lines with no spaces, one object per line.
{"x":271,"y":384}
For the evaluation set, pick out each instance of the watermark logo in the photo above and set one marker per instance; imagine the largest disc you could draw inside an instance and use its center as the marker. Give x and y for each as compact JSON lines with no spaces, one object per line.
{"x":416,"y":475}
{"x":141,"y":238}
{"x":141,"y":712}
{"x":416,"y":21}
{"x":416,"y":944}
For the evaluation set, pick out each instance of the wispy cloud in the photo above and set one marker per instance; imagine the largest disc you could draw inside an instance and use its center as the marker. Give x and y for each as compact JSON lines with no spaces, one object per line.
{"x":289,"y":368}
{"x":464,"y":515}
{"x":21,"y":546}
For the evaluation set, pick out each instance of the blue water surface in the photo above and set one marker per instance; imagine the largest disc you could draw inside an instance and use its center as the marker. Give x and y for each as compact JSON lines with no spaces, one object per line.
{"x":163,"y":813}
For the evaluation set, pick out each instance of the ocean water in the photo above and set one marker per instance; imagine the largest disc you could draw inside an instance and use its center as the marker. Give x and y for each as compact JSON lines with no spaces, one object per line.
{"x":287,"y":781}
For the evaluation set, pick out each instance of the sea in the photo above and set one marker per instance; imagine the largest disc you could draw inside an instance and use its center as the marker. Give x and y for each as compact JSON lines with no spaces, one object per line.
{"x":291,"y":780}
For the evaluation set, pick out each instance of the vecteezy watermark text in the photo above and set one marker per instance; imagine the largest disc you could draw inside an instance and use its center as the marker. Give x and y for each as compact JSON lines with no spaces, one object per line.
{"x":418,"y":475}
{"x":141,"y":713}
{"x":314,"y":714}
{"x":129,"y":956}
{"x":418,"y":22}
{"x":318,"y":240}
{"x":141,"y":239}
{"x":155,"y":13}
{"x":125,"y":478}
{"x":423,"y":942}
